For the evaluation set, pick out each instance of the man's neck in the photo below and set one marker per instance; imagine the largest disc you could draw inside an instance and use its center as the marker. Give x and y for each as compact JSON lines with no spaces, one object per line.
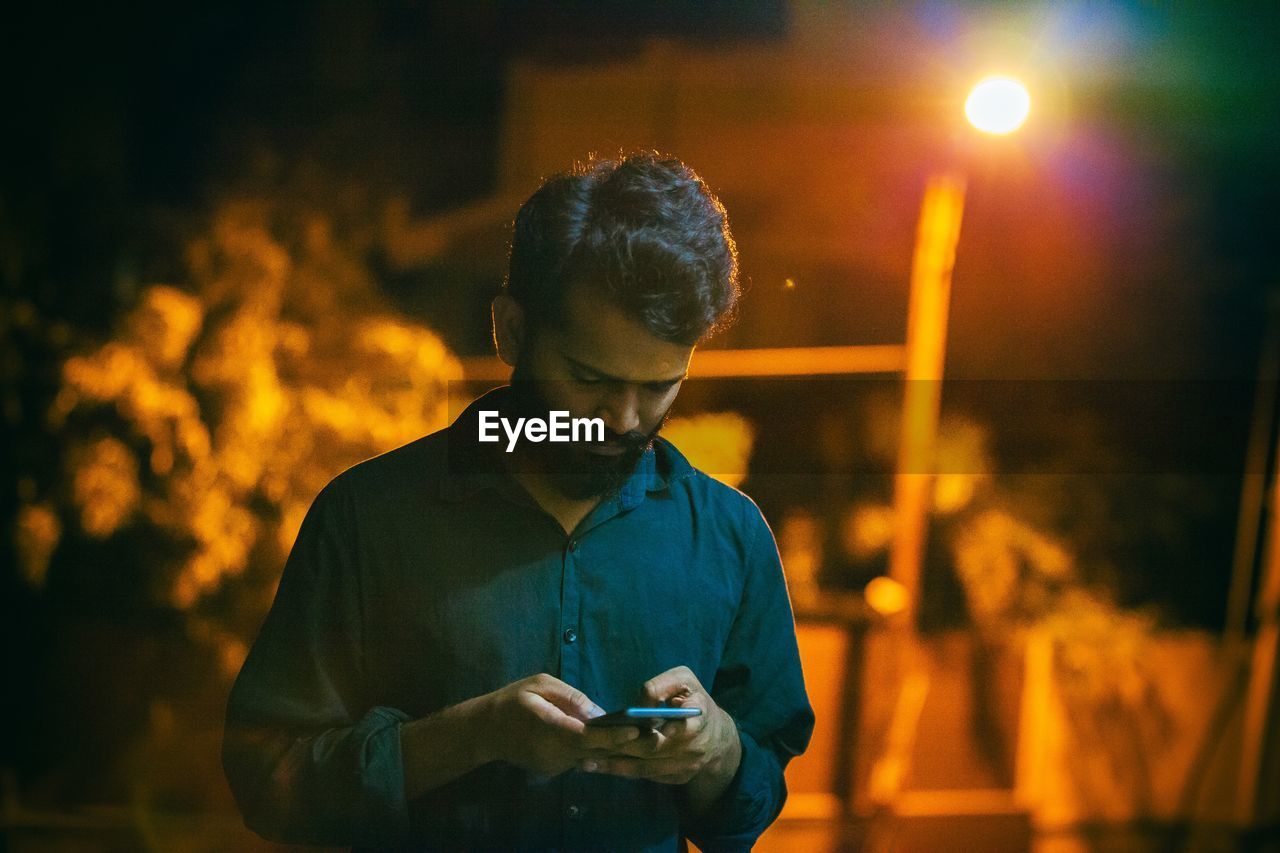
{"x":568,"y":511}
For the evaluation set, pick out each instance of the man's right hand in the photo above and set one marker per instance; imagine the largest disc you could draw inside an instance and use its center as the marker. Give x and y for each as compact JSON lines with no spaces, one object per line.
{"x":538,"y":724}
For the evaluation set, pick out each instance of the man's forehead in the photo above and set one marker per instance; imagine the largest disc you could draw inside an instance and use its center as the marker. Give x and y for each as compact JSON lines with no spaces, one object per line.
{"x":663,"y":371}
{"x":600,"y":337}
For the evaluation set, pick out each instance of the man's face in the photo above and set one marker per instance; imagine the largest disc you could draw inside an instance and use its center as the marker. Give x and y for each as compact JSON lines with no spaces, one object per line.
{"x":600,"y":364}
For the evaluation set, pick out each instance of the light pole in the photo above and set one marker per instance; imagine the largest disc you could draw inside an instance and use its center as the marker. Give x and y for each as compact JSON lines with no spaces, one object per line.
{"x":997,"y":106}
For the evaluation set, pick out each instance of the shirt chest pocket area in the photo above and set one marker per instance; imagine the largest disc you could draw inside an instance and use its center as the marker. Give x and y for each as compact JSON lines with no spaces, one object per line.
{"x":476,"y":620}
{"x":661,"y":606}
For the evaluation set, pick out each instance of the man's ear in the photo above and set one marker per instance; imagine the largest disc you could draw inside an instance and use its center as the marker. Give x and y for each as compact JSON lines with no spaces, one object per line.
{"x":509,"y":328}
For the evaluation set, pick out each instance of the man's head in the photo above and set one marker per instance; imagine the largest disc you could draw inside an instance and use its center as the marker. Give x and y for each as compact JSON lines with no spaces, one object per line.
{"x":618,"y":270}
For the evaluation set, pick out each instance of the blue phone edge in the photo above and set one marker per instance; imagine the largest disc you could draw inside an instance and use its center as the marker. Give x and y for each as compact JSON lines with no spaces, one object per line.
{"x":669,"y":713}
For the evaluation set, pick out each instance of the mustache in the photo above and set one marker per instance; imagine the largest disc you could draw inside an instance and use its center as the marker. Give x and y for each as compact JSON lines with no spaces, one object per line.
{"x":635,"y":440}
{"x":632,"y":440}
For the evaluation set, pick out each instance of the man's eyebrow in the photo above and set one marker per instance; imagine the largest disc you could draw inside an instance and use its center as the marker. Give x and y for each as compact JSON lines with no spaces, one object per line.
{"x":589,"y":369}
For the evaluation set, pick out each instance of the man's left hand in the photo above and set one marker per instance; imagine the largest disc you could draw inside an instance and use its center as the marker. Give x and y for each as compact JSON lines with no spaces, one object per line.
{"x":677,"y":751}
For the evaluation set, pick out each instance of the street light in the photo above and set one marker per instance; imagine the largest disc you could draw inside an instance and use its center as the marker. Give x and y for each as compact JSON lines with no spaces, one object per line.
{"x":998,"y":105}
{"x":995,"y":105}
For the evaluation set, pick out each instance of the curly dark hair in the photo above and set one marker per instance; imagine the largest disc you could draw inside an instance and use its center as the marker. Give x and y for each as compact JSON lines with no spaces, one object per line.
{"x":645,"y":229}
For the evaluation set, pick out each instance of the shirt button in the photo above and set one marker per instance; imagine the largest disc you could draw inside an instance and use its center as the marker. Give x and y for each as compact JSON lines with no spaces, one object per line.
{"x":570,"y":635}
{"x":574,"y":811}
{"x":573,"y":545}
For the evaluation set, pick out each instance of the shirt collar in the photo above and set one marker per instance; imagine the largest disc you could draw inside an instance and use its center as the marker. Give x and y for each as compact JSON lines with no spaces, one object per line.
{"x":471,"y":466}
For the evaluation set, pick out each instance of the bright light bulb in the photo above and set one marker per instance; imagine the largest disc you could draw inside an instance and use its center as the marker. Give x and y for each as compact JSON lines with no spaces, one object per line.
{"x":998,"y":105}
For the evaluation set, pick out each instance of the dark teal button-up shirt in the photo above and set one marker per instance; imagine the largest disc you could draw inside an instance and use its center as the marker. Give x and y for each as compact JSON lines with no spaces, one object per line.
{"x":427,"y":575}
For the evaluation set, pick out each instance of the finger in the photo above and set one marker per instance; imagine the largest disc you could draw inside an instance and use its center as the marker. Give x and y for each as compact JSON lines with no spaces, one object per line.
{"x":567,"y":698}
{"x":553,"y":716}
{"x":676,"y":682}
{"x":650,"y":744}
{"x":675,"y":728}
{"x":690,"y":726}
{"x":608,"y":738}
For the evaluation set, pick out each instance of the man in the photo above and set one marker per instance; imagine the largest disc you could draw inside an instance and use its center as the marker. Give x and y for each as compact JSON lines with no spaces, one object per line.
{"x":452,"y":614}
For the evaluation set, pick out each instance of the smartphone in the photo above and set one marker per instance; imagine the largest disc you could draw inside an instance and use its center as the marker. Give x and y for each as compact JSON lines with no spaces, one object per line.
{"x":644,"y":718}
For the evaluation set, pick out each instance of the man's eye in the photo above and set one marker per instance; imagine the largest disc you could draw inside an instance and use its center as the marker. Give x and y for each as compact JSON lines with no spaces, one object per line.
{"x":660,"y":387}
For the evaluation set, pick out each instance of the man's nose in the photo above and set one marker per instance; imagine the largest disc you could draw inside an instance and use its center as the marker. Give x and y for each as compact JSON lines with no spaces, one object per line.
{"x":621,"y":410}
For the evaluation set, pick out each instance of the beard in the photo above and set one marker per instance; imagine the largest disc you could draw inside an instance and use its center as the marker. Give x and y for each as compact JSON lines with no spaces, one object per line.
{"x":572,"y":470}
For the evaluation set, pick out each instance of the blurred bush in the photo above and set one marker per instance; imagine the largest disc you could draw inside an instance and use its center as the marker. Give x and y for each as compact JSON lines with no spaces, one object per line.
{"x":191,"y":444}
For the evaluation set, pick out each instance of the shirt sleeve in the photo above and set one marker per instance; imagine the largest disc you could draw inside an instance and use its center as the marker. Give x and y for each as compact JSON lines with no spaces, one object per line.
{"x":759,"y":683}
{"x":307,"y":760}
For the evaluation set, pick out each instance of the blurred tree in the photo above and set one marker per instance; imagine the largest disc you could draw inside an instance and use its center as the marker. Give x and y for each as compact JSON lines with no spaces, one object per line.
{"x":190,"y":445}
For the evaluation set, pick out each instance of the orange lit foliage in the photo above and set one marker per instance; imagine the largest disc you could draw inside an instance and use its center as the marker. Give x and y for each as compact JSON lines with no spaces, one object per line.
{"x":229,"y":404}
{"x":1013,"y":572}
{"x":1017,"y":576}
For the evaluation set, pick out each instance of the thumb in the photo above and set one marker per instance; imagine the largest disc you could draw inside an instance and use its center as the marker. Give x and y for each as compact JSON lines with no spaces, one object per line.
{"x":572,"y":701}
{"x":669,"y":686}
